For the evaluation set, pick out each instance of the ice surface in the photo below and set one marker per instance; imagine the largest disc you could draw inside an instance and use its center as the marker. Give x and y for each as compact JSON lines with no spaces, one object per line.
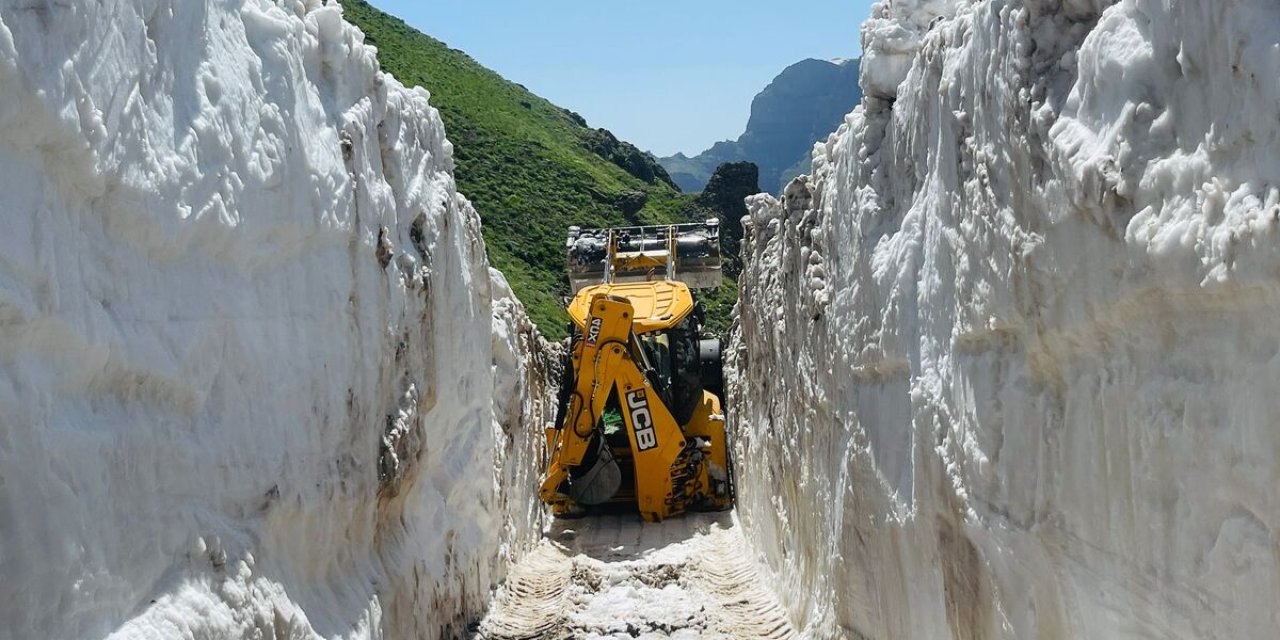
{"x":256,"y":377}
{"x":1006,"y":364}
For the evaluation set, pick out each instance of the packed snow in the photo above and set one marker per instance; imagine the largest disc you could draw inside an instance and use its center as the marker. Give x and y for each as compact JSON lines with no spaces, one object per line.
{"x":1006,"y":363}
{"x":614,"y":576}
{"x":257,"y":377}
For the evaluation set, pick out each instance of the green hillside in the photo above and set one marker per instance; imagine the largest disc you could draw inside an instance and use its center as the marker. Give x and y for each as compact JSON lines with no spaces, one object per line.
{"x":531,"y":168}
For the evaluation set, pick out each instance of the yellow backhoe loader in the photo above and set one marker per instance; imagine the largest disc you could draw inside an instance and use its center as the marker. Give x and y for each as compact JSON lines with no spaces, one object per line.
{"x":640,"y":419}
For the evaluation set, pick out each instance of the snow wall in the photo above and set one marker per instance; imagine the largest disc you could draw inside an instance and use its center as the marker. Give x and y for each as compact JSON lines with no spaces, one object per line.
{"x":256,"y":376}
{"x":1006,"y":363}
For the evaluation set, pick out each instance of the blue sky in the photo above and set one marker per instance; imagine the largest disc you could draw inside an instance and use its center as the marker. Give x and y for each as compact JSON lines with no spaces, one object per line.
{"x":666,"y":75}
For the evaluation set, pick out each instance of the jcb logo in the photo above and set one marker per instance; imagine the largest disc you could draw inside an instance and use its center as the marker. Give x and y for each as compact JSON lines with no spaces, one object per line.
{"x":593,"y":334}
{"x":642,"y":420}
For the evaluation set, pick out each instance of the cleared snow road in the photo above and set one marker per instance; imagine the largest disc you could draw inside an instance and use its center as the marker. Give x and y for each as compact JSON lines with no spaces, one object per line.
{"x":613,"y":576}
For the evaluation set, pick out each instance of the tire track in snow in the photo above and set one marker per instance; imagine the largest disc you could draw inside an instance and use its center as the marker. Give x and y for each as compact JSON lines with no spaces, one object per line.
{"x":613,"y":576}
{"x":750,"y":610}
{"x":531,"y":601}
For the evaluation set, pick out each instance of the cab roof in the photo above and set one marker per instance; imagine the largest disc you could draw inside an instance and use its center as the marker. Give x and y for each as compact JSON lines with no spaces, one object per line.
{"x":660,"y":304}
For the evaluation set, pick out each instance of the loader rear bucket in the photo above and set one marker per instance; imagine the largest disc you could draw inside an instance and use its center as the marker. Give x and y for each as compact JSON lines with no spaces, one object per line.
{"x":688,"y":253}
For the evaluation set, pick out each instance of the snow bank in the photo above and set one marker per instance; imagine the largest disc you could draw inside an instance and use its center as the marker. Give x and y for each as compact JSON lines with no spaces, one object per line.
{"x":257,"y":379}
{"x":1005,"y":365}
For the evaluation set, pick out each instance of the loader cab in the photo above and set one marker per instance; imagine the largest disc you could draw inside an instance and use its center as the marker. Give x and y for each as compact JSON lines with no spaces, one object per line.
{"x":675,"y":369}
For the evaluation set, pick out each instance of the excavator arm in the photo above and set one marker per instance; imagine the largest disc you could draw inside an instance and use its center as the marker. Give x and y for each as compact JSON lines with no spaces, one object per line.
{"x":668,"y":468}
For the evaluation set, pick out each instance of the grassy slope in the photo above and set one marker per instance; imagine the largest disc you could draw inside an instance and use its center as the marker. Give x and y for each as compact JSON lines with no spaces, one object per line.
{"x":527,"y":164}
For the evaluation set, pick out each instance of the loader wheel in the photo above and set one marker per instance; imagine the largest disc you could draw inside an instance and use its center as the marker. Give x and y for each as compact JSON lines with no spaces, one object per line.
{"x":711,"y":359}
{"x":686,"y":371}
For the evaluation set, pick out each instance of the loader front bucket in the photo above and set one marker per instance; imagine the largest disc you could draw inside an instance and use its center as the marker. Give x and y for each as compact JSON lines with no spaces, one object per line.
{"x":688,"y":253}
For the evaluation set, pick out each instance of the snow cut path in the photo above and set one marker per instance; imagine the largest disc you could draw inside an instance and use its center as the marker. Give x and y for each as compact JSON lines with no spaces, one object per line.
{"x":613,"y":576}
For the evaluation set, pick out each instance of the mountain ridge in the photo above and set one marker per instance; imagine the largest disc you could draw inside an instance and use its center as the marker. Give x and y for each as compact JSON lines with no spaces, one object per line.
{"x":802,"y":105}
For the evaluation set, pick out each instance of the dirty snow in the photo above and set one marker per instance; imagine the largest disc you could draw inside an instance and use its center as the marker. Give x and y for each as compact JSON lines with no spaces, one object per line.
{"x":1006,"y":361}
{"x":257,"y":378}
{"x":614,"y":576}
